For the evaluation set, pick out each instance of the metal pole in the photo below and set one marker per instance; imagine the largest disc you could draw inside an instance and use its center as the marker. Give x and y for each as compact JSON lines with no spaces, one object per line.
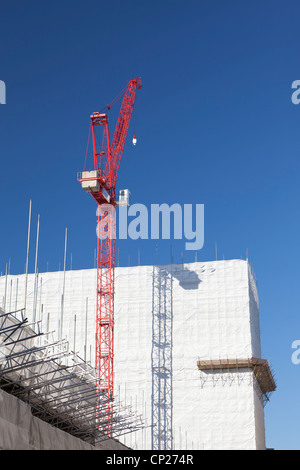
{"x":16,"y":305}
{"x":41,"y":306}
{"x":27,"y":256}
{"x":11,"y":283}
{"x":36,"y":270}
{"x":63,"y":295}
{"x":74,"y":341}
{"x":4,"y":300}
{"x":86,"y":314}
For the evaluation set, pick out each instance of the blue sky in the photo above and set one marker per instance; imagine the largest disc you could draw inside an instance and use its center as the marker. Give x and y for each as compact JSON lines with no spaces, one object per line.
{"x":215,"y":126}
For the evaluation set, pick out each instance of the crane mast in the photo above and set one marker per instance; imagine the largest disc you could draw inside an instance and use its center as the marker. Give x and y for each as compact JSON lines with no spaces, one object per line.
{"x":101,"y":184}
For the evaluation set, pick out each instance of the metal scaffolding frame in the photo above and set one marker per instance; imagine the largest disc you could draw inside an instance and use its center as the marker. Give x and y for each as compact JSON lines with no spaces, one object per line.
{"x":162,"y":345}
{"x":60,"y":387}
{"x":221,"y":371}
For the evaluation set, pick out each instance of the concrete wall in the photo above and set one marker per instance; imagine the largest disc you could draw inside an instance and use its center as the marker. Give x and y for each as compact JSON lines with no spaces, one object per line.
{"x":20,"y":430}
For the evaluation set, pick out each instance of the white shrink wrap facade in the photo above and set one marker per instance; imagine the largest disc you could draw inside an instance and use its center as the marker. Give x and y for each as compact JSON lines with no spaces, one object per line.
{"x":214,"y":312}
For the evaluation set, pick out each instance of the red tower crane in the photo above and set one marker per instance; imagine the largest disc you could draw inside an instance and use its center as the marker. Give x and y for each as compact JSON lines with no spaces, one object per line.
{"x":101,"y":184}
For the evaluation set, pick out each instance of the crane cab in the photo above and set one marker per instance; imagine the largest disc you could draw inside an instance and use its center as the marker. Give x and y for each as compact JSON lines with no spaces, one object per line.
{"x":124,"y":197}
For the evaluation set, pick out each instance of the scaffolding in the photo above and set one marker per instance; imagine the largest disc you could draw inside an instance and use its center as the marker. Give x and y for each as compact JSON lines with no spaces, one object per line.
{"x":224,"y":370}
{"x":60,"y":387}
{"x":162,"y":343}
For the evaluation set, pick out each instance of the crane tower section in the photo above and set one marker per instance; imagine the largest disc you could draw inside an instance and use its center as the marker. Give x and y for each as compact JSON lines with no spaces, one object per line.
{"x":101,"y":184}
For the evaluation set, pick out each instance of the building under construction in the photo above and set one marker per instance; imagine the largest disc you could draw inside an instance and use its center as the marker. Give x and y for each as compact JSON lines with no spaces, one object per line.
{"x":158,"y":357}
{"x":188,"y":367}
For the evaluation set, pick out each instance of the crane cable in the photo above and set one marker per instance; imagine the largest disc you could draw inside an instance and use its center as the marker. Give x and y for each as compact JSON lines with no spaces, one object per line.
{"x":107,"y":107}
{"x":87,"y":147}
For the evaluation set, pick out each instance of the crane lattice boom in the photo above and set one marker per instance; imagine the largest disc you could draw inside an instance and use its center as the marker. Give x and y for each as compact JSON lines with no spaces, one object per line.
{"x":101,"y":184}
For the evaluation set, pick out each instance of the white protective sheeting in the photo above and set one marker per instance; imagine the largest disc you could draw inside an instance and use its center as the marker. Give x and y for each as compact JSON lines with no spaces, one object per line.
{"x":215,"y":316}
